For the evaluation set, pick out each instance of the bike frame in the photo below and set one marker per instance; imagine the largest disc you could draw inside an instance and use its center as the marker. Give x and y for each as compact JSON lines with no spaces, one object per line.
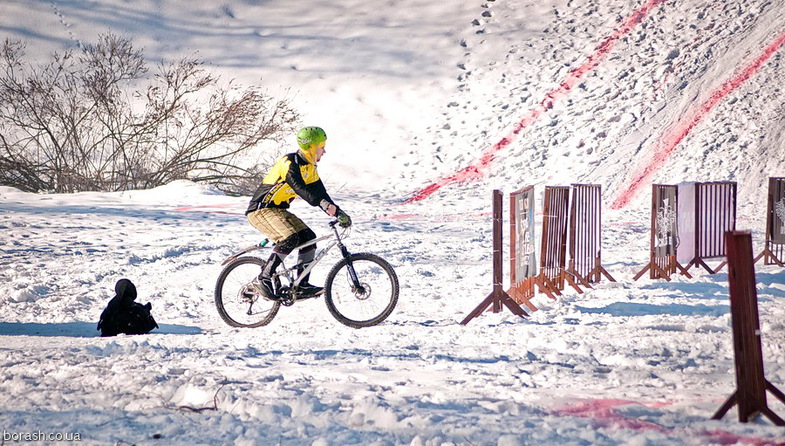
{"x":287,"y":271}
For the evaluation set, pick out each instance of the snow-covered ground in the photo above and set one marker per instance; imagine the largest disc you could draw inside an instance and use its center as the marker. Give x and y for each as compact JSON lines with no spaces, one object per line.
{"x":409,"y":93}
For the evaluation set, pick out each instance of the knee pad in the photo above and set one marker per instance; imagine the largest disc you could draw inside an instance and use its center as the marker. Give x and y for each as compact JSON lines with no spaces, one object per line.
{"x":289,"y":243}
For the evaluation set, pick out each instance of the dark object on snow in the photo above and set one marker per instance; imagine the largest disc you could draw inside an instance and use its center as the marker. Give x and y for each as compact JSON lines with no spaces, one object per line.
{"x":123,"y":315}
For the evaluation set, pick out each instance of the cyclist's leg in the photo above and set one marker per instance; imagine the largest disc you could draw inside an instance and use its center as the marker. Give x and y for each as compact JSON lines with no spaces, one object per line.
{"x":305,"y":255}
{"x":272,"y":222}
{"x":281,"y":226}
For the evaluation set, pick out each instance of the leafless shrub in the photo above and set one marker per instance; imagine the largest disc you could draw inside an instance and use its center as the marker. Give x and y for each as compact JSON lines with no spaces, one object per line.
{"x":96,"y":120}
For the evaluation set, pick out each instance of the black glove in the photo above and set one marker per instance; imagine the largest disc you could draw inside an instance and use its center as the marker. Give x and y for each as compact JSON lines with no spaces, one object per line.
{"x":343,"y":218}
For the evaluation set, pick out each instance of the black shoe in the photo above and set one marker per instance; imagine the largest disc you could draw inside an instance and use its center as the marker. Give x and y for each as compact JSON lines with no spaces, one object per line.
{"x":306,"y":289}
{"x":266,"y":287}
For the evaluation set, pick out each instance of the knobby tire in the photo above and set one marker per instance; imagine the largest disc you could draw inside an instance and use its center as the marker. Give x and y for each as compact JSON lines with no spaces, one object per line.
{"x":232,"y":306}
{"x":368,"y":306}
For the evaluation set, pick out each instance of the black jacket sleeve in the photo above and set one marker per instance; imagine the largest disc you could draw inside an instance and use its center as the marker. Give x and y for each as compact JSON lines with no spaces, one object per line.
{"x":313,"y":193}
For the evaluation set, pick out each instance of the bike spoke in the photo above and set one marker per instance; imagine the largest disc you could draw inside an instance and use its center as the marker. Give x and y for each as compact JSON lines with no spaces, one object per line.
{"x":363,"y":292}
{"x":238,"y":298}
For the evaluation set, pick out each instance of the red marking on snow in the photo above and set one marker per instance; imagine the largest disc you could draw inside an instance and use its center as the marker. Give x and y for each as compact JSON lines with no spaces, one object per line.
{"x":194,"y":208}
{"x":604,"y":414}
{"x":207,"y":208}
{"x":673,"y":137}
{"x":443,"y":217}
{"x":482,"y":165}
{"x":729,"y":438}
{"x":213,"y":209}
{"x":400,"y":217}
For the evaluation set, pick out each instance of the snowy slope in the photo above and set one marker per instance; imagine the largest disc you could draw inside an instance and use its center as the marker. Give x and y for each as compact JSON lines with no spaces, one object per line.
{"x":409,"y":93}
{"x":637,"y":90}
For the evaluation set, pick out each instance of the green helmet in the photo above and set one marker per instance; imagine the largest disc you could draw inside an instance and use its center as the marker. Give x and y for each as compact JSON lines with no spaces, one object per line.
{"x":310,"y":135}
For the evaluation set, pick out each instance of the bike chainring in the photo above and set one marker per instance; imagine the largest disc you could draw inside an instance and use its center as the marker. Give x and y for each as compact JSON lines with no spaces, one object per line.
{"x":287,"y":297}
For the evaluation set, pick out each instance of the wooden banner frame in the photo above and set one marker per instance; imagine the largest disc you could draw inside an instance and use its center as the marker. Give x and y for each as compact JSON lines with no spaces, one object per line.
{"x":586,"y":234}
{"x":715,"y":214}
{"x":774,"y":250}
{"x":498,"y":296}
{"x":664,"y":234}
{"x":553,"y":253}
{"x":522,"y":205}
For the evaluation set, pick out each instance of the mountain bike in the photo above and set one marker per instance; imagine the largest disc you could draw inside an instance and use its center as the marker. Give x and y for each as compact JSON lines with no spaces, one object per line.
{"x":361,"y":290}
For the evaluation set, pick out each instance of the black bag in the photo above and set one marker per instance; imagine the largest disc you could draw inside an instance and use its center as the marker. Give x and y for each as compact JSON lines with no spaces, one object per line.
{"x":123,"y":315}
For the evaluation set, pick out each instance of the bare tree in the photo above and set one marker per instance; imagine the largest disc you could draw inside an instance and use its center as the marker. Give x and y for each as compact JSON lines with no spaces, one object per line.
{"x":96,"y":120}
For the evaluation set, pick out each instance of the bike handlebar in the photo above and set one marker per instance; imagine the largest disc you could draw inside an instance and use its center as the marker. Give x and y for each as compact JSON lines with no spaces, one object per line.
{"x":335,"y":222}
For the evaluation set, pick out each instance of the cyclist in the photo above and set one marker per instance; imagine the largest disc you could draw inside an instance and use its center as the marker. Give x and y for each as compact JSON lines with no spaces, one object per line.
{"x":293,"y":175}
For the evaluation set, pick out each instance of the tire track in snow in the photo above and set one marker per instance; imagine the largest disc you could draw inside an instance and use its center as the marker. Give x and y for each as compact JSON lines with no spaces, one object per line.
{"x":480,"y":167}
{"x":672,"y":137}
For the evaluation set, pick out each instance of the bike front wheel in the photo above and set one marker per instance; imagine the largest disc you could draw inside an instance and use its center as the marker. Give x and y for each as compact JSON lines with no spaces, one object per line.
{"x":238,"y":297}
{"x":362,"y":290}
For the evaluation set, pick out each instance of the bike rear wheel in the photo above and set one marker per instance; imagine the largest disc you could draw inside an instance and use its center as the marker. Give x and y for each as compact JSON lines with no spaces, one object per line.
{"x":367,"y":304}
{"x":238,"y":298}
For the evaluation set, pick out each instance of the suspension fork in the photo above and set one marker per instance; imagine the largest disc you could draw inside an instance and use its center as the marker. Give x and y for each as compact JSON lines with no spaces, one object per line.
{"x":356,"y":285}
{"x":347,"y":256}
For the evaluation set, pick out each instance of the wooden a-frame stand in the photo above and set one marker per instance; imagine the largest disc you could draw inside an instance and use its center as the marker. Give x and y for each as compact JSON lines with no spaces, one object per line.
{"x":498,"y":296}
{"x":751,"y":384}
{"x":670,"y":266}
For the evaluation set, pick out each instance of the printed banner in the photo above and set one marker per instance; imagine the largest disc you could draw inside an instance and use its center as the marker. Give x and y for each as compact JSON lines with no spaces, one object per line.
{"x":525,"y":257}
{"x":686,"y":220}
{"x":777,"y":192}
{"x":666,"y":223}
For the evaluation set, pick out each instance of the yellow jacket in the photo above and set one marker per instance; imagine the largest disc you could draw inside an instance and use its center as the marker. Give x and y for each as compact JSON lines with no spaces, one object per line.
{"x":292,"y":176}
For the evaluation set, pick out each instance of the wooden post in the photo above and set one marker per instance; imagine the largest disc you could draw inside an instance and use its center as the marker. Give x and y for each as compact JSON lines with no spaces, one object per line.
{"x":751,"y":384}
{"x":498,"y":296}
